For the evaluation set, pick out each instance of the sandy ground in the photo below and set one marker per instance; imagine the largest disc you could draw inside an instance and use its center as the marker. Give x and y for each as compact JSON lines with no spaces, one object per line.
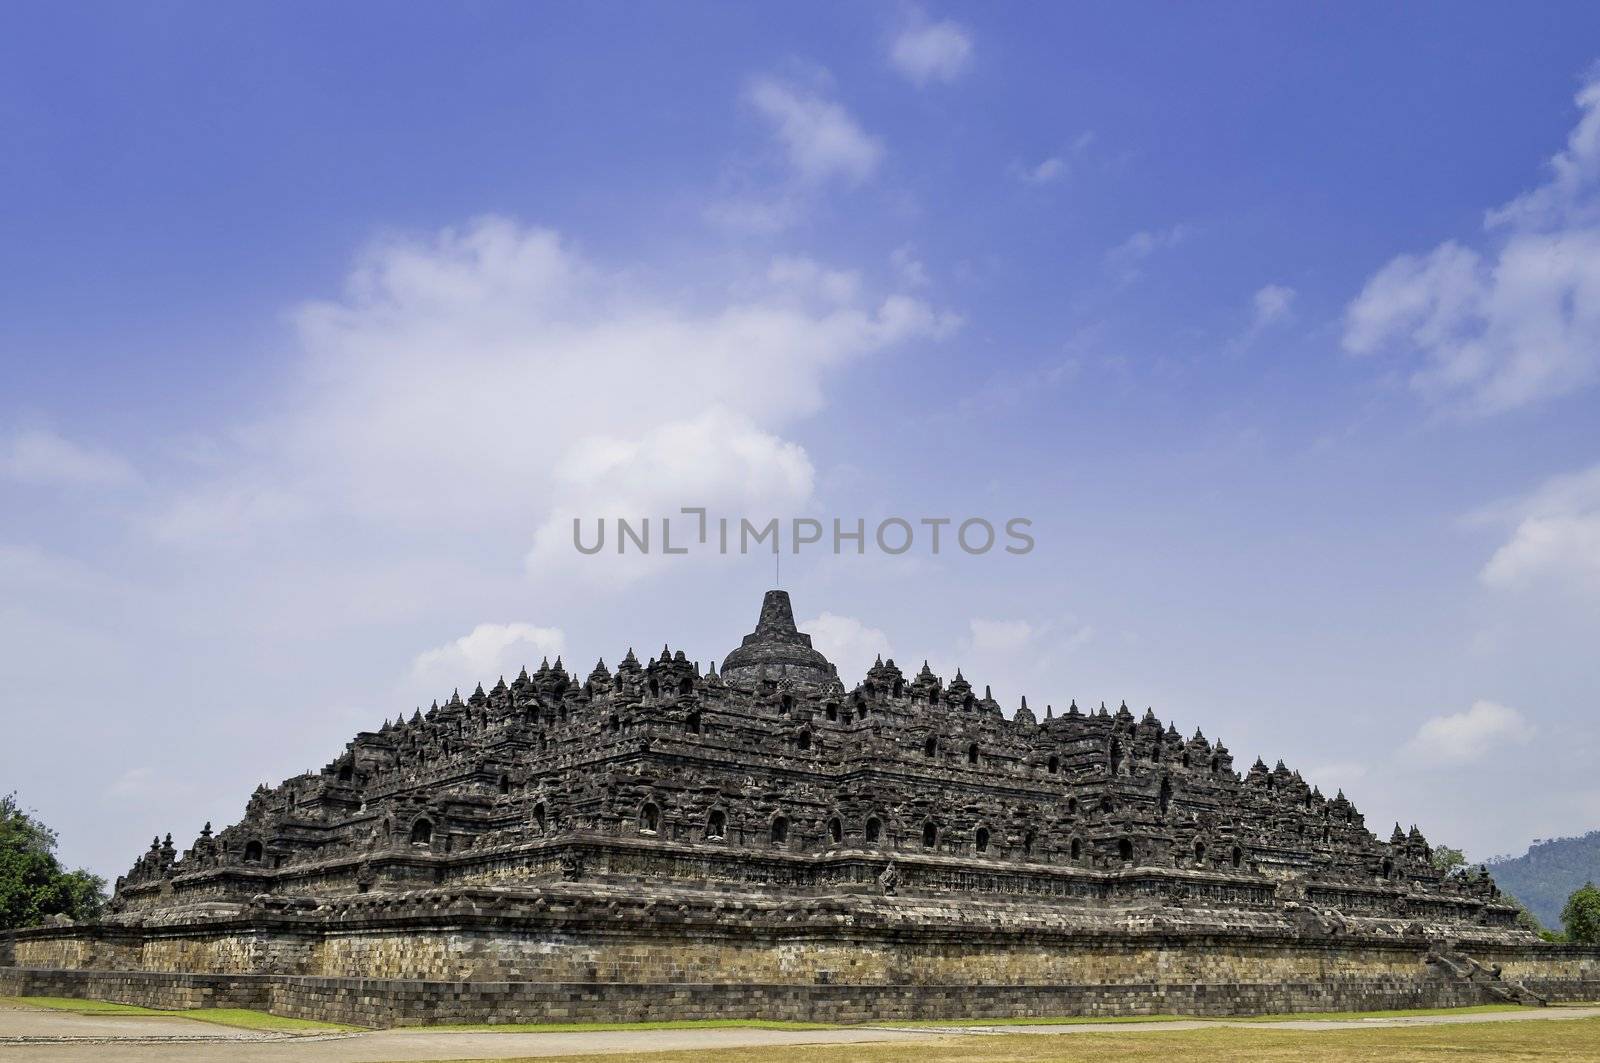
{"x":57,"y":1037}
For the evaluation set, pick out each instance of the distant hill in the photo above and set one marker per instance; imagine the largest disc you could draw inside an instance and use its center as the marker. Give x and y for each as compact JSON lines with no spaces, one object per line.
{"x":1545,"y":876}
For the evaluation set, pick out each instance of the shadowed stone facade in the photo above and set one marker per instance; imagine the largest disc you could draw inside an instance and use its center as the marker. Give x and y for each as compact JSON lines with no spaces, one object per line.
{"x":659,"y":825}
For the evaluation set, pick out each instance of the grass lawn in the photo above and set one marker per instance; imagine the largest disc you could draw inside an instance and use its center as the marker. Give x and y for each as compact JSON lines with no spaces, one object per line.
{"x":80,"y":1007}
{"x":1348,"y":1016}
{"x":1572,"y":1041}
{"x":236,"y":1017}
{"x":1047,"y":1020}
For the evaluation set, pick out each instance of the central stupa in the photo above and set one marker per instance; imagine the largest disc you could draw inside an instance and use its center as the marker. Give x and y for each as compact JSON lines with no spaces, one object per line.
{"x":777,"y":650}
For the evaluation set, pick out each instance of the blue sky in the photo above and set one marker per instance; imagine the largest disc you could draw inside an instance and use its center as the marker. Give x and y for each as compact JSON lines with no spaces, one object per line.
{"x":1279,"y":323}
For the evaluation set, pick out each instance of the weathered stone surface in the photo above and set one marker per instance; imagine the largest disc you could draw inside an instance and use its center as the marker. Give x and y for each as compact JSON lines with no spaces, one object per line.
{"x":380,"y":1002}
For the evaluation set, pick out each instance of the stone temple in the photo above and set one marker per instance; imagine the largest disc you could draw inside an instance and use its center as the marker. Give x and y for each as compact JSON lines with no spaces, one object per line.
{"x":658,"y":841}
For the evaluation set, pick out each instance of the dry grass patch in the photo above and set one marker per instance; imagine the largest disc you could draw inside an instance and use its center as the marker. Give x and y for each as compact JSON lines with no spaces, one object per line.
{"x":1536,"y":1041}
{"x":239,"y":1018}
{"x":611,"y":1027}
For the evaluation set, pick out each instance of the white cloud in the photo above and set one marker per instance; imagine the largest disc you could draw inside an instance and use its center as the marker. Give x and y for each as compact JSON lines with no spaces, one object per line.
{"x":1127,"y":259}
{"x":1330,"y":777}
{"x":755,"y":215}
{"x":999,"y":636}
{"x":492,"y":374}
{"x":1515,"y":322}
{"x":808,"y":276}
{"x":227,"y":515}
{"x":40,"y":457}
{"x":821,"y":139}
{"x":28,"y":566}
{"x":1567,"y":197}
{"x":717,"y":461}
{"x":1556,"y":539}
{"x":133,"y":783}
{"x":1016,"y":656}
{"x":1465,"y":737}
{"x":1548,"y":546}
{"x":1274,"y":304}
{"x":484,"y":654}
{"x":1079,"y":636}
{"x":908,"y":268}
{"x":1044,"y":172}
{"x":925,"y":51}
{"x":848,"y":643}
{"x":1054,"y":167}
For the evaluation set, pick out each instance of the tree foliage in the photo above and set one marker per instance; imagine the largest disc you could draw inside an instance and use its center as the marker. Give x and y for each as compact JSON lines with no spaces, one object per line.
{"x":1581,"y":915}
{"x":33,"y":885}
{"x":1447,"y":859}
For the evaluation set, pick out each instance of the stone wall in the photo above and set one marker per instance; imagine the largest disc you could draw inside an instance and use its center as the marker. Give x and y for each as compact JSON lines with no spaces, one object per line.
{"x":632,"y":951}
{"x":143,"y":988}
{"x":374,"y":1002}
{"x":511,"y":956}
{"x":379,"y":975}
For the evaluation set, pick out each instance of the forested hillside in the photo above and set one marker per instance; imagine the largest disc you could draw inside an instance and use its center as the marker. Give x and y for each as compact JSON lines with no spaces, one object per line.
{"x":1545,"y":876}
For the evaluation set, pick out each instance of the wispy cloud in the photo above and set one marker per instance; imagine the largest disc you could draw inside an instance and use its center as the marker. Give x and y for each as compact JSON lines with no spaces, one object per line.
{"x":908,"y":267}
{"x":1274,"y":305}
{"x":1043,"y":172}
{"x":756,"y":214}
{"x":1515,"y":320}
{"x":1126,"y":261}
{"x":820,"y":138}
{"x":925,"y":52}
{"x":1053,"y":168}
{"x":39,"y":457}
{"x":1271,"y":307}
{"x":850,"y":644}
{"x":28,"y":566}
{"x":484,"y":654}
{"x":499,"y":312}
{"x":228,"y":514}
{"x":1555,"y":540}
{"x":1467,"y":737}
{"x":999,"y":636}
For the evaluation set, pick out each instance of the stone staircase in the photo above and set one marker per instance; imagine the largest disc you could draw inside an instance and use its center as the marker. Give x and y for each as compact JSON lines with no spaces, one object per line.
{"x":1464,"y":968}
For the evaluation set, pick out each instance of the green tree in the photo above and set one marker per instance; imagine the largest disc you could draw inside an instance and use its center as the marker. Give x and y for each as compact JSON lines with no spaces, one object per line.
{"x":1447,"y":859}
{"x":1581,"y":916}
{"x":32,"y":884}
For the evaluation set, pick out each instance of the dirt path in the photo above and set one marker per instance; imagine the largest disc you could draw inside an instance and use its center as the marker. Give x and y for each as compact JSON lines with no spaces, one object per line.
{"x":57,"y":1037}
